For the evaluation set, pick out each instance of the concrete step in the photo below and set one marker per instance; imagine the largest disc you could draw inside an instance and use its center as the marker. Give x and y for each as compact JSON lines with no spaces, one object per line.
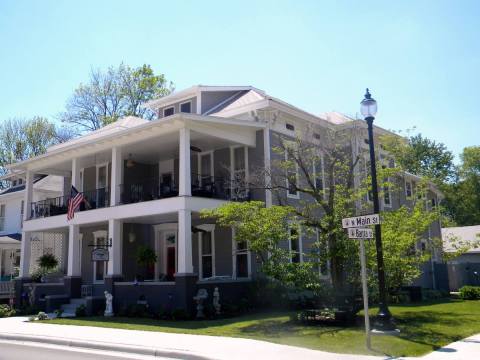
{"x":78,"y":301}
{"x":68,"y":315}
{"x":69,"y":307}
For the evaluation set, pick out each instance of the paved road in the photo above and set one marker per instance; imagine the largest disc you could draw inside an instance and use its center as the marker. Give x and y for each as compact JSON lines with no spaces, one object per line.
{"x":27,"y":351}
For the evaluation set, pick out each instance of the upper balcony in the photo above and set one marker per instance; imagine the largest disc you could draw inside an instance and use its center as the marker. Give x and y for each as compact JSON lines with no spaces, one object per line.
{"x":183,"y":155}
{"x":213,"y":187}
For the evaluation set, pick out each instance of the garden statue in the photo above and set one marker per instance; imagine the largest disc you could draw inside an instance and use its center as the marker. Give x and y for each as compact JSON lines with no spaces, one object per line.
{"x":201,"y":296}
{"x":31,"y":295}
{"x":216,"y":301}
{"x":108,"y":304}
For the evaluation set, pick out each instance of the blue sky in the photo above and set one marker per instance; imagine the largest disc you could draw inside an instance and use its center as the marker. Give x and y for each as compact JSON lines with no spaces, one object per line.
{"x":420,"y":58}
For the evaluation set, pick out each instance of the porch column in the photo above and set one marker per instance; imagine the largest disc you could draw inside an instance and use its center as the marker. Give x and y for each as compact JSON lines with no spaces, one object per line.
{"x":115,"y":251}
{"x":117,"y":173}
{"x":75,"y":174}
{"x":28,"y":195}
{"x":185,"y":187}
{"x":266,"y":155}
{"x":185,"y":265}
{"x":25,"y":255}
{"x":74,"y":253}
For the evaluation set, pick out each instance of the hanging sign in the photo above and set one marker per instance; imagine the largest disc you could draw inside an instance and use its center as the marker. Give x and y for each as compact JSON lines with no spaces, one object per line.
{"x":100,"y":254}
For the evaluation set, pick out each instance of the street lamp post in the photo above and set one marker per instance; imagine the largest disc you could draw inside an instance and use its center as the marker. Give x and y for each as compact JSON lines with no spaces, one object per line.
{"x":383,"y":320}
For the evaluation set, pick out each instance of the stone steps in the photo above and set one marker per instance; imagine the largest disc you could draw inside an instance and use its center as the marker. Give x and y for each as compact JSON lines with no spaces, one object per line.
{"x":70,"y":308}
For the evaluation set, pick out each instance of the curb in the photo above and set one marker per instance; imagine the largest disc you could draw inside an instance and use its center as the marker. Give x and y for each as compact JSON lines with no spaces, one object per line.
{"x":95,"y":345}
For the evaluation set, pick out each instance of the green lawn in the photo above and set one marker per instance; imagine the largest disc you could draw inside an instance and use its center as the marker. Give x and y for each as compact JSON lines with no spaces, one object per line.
{"x":424,"y":327}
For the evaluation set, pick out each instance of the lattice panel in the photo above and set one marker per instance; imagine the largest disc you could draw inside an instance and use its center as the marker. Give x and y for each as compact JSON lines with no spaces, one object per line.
{"x":53,"y":243}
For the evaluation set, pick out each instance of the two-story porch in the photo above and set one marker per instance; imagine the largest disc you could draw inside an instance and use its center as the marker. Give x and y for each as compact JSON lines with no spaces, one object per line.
{"x":144,"y":186}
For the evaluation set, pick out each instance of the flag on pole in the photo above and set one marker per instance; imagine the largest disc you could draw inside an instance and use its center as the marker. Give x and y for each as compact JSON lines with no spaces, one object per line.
{"x":76,"y":198}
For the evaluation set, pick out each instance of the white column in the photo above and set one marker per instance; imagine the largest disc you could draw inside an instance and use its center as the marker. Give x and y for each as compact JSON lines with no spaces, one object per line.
{"x":185,"y":187}
{"x":74,"y":250}
{"x":266,"y":155}
{"x":185,"y":265}
{"x":75,"y":175}
{"x":117,"y":174}
{"x":25,"y":255}
{"x":115,"y":251}
{"x":28,"y":195}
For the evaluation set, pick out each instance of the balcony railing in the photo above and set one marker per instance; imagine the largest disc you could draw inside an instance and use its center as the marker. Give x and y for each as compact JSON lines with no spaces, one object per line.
{"x":145,"y":190}
{"x":94,"y":199}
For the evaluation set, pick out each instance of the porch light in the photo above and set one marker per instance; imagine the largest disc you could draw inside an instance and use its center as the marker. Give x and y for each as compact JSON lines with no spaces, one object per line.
{"x":130,"y":162}
{"x":131,"y":237}
{"x":368,"y":106}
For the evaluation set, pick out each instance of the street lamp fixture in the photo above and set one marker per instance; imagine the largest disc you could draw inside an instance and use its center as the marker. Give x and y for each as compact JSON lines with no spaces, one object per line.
{"x":383,"y":320}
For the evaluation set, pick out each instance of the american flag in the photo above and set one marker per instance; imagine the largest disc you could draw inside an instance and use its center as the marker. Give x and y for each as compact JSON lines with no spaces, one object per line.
{"x":76,"y":198}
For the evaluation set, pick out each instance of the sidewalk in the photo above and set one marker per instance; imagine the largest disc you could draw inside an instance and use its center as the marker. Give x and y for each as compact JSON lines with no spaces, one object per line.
{"x":181,"y":346}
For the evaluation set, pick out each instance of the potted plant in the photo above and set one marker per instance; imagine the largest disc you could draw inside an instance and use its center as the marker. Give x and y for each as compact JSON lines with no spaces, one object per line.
{"x":47,"y":262}
{"x":146,"y":256}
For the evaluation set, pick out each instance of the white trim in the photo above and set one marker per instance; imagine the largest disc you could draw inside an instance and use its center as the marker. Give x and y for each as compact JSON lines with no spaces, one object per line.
{"x":105,"y":164}
{"x":289,"y":195}
{"x":206,"y":227}
{"x":185,"y":102}
{"x":300,"y":244}
{"x":236,"y":252}
{"x":199,"y":164}
{"x":96,"y":235}
{"x":201,"y":255}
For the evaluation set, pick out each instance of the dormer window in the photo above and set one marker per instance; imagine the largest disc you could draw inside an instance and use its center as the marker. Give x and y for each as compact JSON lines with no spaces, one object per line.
{"x":14,"y":183}
{"x":316,"y":136}
{"x":168,"y":111}
{"x":290,"y":127}
{"x":20,"y":181}
{"x":186,"y":107}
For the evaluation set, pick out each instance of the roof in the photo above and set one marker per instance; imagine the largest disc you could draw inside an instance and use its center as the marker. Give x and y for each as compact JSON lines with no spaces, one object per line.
{"x":18,"y":188}
{"x":10,"y":239}
{"x":119,"y":125}
{"x":468,"y":235}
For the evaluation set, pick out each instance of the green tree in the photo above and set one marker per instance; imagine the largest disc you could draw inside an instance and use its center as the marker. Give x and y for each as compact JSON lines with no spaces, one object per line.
{"x":21,"y":139}
{"x":112,"y":94}
{"x":264,"y":229}
{"x":421,"y":156}
{"x":403,"y":233}
{"x":462,"y":198}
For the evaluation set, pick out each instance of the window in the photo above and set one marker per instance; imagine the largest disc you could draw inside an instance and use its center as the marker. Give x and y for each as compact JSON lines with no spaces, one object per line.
{"x":434,"y":203}
{"x":290,"y":127}
{"x":239,"y":165}
{"x":323,"y":264}
{"x":207,"y":258}
{"x":387,"y":200}
{"x":2,"y":217}
{"x":205,"y":168}
{"x":168,"y":111}
{"x":241,"y":258}
{"x":292,"y":177}
{"x":20,"y":181}
{"x":295,"y":245}
{"x":318,"y":173}
{"x":408,"y":189}
{"x":186,"y":107}
{"x":14,"y":183}
{"x":316,"y":136}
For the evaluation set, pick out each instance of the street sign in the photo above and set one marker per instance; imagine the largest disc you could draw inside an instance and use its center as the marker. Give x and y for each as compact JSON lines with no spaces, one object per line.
{"x":360,"y":233}
{"x":359,"y":221}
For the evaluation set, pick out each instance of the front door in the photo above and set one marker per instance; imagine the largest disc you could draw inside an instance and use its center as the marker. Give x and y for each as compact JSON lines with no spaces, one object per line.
{"x":170,"y":254}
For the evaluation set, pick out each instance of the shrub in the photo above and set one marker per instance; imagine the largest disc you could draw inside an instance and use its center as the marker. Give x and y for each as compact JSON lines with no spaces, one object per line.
{"x":42,"y":316}
{"x":81,"y":311}
{"x":6,"y":311}
{"x":470,"y":292}
{"x":59,"y":313}
{"x":47,"y":262}
{"x":429,"y":294}
{"x":179,"y":314}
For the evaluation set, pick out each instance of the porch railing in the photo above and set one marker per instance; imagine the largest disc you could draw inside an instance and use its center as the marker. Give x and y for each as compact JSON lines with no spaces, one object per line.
{"x":94,"y":199}
{"x":146,"y":190}
{"x":218,"y":187}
